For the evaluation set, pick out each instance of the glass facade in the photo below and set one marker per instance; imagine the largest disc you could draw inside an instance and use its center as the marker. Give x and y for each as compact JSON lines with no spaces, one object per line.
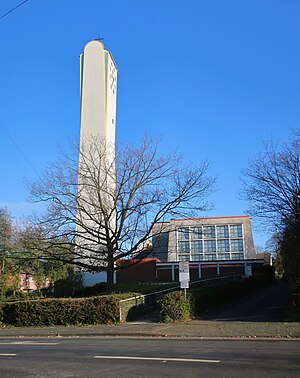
{"x":236,"y":231}
{"x":213,"y":242}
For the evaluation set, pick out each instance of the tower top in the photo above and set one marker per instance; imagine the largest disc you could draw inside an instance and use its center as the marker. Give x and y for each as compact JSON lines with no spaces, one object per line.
{"x":99,"y":38}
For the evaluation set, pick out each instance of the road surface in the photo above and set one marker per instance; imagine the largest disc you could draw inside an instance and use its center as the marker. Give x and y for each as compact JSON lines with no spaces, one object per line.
{"x":127,"y":357}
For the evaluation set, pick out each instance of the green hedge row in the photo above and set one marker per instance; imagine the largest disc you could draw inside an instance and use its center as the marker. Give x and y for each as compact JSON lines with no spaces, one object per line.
{"x":46,"y":312}
{"x":175,"y":308}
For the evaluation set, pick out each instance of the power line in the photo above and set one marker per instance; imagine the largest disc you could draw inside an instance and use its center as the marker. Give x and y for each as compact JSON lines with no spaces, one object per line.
{"x":17,"y":6}
{"x":19,"y":149}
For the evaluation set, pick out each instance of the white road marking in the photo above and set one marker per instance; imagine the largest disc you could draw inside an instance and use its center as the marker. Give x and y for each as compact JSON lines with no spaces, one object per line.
{"x":157,"y":359}
{"x":26,"y":343}
{"x":8,"y":354}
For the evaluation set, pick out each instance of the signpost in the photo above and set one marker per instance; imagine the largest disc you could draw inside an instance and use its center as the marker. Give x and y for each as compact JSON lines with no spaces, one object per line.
{"x":184,"y":275}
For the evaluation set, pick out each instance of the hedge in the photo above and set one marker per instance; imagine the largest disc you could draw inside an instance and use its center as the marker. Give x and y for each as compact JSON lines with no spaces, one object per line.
{"x":48,"y":312}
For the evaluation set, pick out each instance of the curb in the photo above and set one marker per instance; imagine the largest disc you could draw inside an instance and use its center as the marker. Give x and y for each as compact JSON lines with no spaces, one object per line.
{"x":154,"y":336}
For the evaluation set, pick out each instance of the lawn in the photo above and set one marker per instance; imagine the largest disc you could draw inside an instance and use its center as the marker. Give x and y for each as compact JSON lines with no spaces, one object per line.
{"x":143,"y":287}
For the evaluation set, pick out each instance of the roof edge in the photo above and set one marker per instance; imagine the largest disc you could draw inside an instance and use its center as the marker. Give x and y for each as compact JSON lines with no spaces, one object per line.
{"x":197,"y":219}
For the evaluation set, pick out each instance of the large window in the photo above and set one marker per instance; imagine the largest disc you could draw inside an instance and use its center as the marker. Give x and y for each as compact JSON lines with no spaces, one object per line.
{"x":210,"y":242}
{"x":223,"y":245}
{"x":224,"y":256}
{"x":198,"y":257}
{"x":209,"y":246}
{"x":209,"y":232}
{"x":196,"y":233}
{"x":236,"y":245}
{"x":237,"y":256}
{"x":222,"y":231}
{"x":183,"y":258}
{"x":236,"y":231}
{"x":210,"y":257}
{"x":183,"y":233}
{"x":183,"y":247}
{"x":196,"y":246}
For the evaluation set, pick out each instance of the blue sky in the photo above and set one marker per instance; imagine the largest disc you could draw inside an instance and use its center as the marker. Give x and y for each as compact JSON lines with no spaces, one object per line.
{"x":214,"y":78}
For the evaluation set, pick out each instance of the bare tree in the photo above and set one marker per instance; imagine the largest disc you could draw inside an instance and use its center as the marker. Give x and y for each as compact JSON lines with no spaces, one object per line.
{"x":5,"y":231}
{"x":271,"y":184}
{"x":6,"y":226}
{"x":272,"y":187}
{"x":104,"y":212}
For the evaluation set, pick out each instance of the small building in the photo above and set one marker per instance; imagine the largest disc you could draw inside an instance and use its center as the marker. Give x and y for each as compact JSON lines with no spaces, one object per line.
{"x":28,"y":282}
{"x":203,"y":239}
{"x":136,"y":270}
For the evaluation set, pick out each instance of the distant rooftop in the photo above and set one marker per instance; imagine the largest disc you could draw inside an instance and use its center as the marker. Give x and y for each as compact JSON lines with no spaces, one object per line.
{"x":199,"y":219}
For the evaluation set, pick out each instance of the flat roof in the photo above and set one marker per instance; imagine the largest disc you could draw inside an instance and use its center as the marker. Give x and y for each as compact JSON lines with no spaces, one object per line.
{"x":209,"y":218}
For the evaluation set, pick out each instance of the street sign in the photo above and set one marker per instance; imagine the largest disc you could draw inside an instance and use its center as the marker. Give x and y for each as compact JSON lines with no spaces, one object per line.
{"x":184,"y":284}
{"x":184,"y":277}
{"x":184,"y":271}
{"x":184,"y":274}
{"x":184,"y":267}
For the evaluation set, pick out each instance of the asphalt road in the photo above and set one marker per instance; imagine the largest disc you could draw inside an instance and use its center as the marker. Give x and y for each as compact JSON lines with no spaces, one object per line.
{"x":127,"y":357}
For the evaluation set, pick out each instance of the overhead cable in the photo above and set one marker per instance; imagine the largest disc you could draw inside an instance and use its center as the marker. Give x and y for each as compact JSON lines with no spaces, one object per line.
{"x":16,"y":7}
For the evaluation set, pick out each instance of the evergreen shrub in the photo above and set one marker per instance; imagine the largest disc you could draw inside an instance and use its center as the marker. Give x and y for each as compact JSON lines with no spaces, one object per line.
{"x":175,"y":307}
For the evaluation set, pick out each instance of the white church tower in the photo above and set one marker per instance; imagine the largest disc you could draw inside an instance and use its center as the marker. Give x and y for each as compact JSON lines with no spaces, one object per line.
{"x":98,"y":93}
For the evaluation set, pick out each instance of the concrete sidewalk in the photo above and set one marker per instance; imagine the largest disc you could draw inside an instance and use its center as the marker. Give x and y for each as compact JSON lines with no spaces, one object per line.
{"x":192,"y":329}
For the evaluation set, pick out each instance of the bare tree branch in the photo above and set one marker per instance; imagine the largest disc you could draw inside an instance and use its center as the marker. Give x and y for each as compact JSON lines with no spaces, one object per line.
{"x":271,"y":184}
{"x":105,"y":209}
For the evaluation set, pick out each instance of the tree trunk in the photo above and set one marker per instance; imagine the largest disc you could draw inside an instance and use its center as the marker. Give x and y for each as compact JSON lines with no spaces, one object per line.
{"x":110,"y":277}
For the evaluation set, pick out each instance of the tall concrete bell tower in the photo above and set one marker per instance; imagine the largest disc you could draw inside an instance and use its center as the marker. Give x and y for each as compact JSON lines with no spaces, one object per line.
{"x":98,"y":93}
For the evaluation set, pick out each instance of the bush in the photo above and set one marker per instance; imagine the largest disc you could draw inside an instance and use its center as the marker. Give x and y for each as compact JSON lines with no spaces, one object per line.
{"x":96,"y":310}
{"x":175,"y":308}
